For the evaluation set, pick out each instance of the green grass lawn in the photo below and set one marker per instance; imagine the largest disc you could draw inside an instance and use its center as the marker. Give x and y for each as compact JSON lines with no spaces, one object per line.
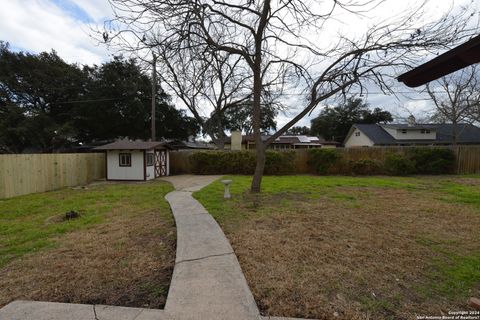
{"x":422,"y":231}
{"x":27,"y":223}
{"x":307,"y":186}
{"x":120,"y":251}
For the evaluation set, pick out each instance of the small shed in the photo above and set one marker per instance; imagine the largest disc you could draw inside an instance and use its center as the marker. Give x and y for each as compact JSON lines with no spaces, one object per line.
{"x":127,"y":160}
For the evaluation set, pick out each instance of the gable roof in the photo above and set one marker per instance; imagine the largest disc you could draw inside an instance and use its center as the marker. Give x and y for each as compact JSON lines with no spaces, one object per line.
{"x":467,"y":133}
{"x":132,"y":145}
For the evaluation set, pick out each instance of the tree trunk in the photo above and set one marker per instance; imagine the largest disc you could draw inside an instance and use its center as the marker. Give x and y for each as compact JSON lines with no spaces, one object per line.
{"x":221,"y":134}
{"x":257,"y":177}
{"x":454,"y":133}
{"x":257,"y":94}
{"x":259,"y":145}
{"x":220,"y":142}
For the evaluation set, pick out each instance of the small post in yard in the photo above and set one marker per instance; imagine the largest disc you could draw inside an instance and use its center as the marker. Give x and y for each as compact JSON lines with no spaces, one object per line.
{"x":226,"y":194}
{"x":154,"y":93}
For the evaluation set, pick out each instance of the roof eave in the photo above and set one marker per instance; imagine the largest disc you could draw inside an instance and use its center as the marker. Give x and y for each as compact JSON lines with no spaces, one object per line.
{"x":455,"y":59}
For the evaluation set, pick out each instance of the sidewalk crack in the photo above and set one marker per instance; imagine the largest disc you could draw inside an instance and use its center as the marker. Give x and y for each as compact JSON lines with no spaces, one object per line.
{"x":95,"y":313}
{"x":206,"y":257}
{"x":139,"y":313}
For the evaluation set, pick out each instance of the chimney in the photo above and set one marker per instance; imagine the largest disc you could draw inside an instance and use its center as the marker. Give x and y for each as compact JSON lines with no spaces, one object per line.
{"x":411,"y":121}
{"x":236,"y":143}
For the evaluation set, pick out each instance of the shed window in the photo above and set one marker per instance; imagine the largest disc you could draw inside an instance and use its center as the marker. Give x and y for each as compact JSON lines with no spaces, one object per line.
{"x":357,"y":134}
{"x":149,"y":159}
{"x":125,"y":159}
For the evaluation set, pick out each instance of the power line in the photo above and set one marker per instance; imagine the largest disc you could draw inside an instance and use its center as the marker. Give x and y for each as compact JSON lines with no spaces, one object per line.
{"x":92,"y":100}
{"x":365,"y":93}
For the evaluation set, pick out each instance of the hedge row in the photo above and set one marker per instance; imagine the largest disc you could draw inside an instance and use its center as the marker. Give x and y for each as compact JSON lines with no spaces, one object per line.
{"x":413,"y":161}
{"x":241,"y":162}
{"x":325,"y":161}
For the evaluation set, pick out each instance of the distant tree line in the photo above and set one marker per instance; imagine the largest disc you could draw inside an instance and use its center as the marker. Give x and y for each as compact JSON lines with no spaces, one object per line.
{"x":47,"y":104}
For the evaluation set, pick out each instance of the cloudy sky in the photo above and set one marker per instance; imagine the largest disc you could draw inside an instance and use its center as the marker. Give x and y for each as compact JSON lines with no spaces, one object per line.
{"x":66,"y":26}
{"x":62,"y":25}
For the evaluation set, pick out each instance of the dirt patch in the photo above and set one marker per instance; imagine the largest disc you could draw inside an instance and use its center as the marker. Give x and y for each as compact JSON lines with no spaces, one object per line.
{"x":366,"y":256}
{"x":125,"y":261}
{"x":468,"y":181}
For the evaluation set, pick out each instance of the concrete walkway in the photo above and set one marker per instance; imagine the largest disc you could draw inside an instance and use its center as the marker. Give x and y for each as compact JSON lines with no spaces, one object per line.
{"x":207,"y":281}
{"x":37,"y":310}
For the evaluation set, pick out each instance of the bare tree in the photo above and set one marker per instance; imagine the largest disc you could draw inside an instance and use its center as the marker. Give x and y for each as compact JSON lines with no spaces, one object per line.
{"x":206,"y":83}
{"x":456,"y":97}
{"x":280,"y":39}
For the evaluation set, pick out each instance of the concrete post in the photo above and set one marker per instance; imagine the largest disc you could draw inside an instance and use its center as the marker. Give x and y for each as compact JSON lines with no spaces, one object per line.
{"x":226,"y":194}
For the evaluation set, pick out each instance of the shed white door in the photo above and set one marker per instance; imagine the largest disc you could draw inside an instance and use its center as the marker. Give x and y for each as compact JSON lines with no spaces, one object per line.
{"x":160,"y":163}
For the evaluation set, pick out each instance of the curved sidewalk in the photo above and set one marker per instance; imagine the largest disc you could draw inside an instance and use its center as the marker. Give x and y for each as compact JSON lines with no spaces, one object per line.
{"x":207,"y":281}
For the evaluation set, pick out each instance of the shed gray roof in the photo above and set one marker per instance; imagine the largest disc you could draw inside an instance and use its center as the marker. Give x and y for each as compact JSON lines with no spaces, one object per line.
{"x":132,"y":145}
{"x":467,"y":134}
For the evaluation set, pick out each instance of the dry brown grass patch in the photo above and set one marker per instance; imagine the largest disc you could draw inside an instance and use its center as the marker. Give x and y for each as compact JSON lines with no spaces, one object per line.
{"x":125,"y":261}
{"x":359,"y":257}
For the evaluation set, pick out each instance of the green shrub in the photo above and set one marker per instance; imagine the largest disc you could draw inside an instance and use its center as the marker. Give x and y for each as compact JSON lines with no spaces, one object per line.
{"x":399,"y":165}
{"x":241,"y":162}
{"x":322,"y":160}
{"x":278,"y":163}
{"x":432,"y":160}
{"x":366,"y":167}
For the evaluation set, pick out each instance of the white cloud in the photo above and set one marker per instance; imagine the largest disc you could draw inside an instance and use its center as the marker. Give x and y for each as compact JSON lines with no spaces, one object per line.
{"x":40,"y":25}
{"x":98,"y":10}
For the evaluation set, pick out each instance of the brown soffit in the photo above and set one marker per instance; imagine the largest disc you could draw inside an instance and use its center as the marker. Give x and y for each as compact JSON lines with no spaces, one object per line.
{"x":455,"y":59}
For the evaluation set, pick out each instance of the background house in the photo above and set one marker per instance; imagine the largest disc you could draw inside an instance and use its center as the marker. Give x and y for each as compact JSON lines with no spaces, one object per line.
{"x":135,"y":160}
{"x":368,"y":135}
{"x":283,"y":142}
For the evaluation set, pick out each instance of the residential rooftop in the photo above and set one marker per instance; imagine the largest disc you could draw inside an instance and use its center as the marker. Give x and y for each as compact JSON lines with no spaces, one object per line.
{"x":441,"y":134}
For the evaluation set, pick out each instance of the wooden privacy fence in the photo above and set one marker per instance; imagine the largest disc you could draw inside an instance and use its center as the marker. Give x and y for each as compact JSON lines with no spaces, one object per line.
{"x":29,"y":173}
{"x":467,"y":157}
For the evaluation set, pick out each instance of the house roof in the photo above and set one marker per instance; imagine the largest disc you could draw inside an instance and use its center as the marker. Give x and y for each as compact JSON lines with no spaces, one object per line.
{"x":446,"y":63}
{"x":289,"y":139}
{"x":467,"y":134}
{"x":375,"y":133}
{"x":178,"y":144}
{"x":132,"y":145}
{"x":409,"y":126}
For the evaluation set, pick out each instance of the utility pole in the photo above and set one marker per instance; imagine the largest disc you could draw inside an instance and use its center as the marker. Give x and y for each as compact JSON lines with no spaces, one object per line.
{"x":154,"y":93}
